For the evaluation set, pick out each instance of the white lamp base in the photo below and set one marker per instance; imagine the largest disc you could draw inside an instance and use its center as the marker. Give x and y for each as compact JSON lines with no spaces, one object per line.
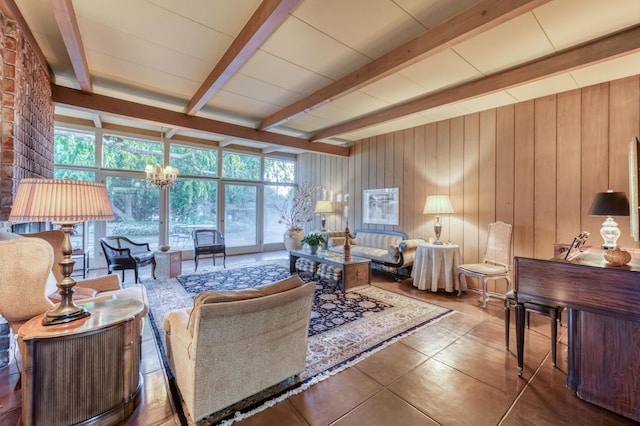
{"x":610,"y":233}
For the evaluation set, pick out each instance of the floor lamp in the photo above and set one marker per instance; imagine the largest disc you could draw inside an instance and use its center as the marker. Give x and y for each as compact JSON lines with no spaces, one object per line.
{"x":62,"y":202}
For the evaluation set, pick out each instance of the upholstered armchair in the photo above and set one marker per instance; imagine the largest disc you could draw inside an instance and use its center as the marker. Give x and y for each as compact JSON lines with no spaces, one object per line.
{"x":24,"y":279}
{"x":233,"y":344}
{"x":122,"y":254}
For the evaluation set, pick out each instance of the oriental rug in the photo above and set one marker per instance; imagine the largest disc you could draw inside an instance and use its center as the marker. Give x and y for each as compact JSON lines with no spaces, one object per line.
{"x":345,"y":328}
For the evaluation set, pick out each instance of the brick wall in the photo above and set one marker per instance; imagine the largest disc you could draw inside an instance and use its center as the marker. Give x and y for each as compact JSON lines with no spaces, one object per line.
{"x":26,"y":121}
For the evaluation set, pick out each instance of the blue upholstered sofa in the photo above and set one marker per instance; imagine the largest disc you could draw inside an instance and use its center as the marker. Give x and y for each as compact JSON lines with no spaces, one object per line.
{"x":389,"y":251}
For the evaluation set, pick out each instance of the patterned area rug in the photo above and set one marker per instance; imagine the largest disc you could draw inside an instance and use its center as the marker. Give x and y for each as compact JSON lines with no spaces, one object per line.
{"x":346,"y":328}
{"x":331,"y":307}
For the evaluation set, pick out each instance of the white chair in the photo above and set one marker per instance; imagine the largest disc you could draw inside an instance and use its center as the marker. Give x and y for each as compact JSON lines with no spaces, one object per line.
{"x":496,"y":261}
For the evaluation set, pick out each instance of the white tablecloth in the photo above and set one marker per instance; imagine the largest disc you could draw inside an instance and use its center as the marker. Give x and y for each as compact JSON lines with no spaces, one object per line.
{"x":436,"y":266}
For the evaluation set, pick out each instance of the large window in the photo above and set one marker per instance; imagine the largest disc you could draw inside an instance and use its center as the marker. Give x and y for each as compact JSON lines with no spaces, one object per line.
{"x":194,"y":204}
{"x":119,"y":152}
{"x":240,"y":166}
{"x":74,"y":148}
{"x":275,"y":197}
{"x":136,"y":210}
{"x":194,"y":161}
{"x":237,"y":192}
{"x":282,"y":171}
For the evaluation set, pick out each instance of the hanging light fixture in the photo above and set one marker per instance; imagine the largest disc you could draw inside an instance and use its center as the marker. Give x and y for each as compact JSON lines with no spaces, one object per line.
{"x":161,"y":176}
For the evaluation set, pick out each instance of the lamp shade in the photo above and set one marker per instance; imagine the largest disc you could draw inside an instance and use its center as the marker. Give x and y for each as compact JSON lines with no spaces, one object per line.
{"x":323,"y":206}
{"x":60,"y":201}
{"x":610,"y":204}
{"x":437,"y":204}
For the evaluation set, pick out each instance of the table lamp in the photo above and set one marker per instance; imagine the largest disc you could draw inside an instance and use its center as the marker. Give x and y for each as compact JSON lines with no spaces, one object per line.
{"x":610,"y":204}
{"x":437,"y":204}
{"x":62,"y":202}
{"x":323,"y":206}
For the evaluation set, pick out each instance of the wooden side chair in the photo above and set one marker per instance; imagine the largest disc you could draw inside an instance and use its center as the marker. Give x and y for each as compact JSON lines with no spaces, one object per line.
{"x":496,"y":262}
{"x":208,"y":241}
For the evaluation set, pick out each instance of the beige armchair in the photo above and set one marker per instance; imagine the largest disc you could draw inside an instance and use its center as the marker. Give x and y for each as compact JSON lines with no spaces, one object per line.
{"x":233,"y":344}
{"x":23,"y":279}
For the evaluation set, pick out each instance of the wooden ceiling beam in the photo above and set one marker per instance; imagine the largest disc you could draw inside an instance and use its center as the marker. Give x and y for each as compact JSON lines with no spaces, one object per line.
{"x":265,"y":20}
{"x":117,"y":107}
{"x":68,"y":26}
{"x":609,"y":47}
{"x":11,"y":10}
{"x":482,"y":16}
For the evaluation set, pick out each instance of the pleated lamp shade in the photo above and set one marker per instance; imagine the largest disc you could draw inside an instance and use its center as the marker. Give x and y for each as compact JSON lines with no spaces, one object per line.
{"x":60,"y":201}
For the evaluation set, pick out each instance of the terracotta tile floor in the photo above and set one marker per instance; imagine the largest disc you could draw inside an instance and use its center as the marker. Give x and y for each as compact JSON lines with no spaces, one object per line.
{"x":456,"y":372}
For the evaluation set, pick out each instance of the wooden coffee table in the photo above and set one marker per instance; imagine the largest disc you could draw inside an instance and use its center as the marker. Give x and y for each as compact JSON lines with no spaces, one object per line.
{"x":356,"y":272}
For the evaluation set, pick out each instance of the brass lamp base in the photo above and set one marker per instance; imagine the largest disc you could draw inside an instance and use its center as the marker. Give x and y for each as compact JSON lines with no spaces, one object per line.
{"x":66,"y":311}
{"x":62,"y":316}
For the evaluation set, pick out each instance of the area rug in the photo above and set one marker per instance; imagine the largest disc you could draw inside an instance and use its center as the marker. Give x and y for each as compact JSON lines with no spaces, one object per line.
{"x":345,"y":328}
{"x":331,"y":306}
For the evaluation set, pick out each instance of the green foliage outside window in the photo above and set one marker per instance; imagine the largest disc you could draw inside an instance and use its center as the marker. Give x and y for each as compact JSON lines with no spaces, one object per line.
{"x":124,"y":153}
{"x":281,"y":171}
{"x":194,"y":161}
{"x":74,"y":148}
{"x":240,"y":166}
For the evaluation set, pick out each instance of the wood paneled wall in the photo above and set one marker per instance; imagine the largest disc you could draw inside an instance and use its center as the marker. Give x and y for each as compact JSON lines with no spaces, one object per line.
{"x":536,"y":164}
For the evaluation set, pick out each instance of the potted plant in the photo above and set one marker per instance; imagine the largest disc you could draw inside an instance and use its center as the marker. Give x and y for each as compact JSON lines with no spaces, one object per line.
{"x":313,"y":241}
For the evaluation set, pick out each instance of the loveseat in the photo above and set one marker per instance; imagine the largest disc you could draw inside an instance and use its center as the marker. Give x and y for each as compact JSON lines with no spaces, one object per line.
{"x":389,"y":251}
{"x":233,"y":344}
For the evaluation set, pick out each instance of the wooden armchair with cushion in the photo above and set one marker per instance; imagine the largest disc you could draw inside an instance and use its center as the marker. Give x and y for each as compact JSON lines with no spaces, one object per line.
{"x":122,"y":254}
{"x":233,"y":344}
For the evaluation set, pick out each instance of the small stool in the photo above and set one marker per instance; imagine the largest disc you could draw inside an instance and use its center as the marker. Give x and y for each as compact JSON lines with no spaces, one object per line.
{"x":553,"y":312}
{"x":306,"y":265}
{"x":329,"y":272}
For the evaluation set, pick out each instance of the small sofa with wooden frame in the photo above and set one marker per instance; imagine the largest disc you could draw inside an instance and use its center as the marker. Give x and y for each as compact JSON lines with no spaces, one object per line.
{"x":390,"y":251}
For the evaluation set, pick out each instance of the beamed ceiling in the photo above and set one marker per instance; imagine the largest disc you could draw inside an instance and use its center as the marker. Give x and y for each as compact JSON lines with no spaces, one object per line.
{"x":315,"y":75}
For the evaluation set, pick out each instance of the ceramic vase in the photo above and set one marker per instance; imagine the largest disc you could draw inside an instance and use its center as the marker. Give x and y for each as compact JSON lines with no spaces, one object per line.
{"x":292,"y":239}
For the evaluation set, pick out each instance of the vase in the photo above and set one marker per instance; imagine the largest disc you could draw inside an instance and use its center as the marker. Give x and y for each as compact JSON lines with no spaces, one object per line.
{"x":313,"y":249}
{"x":292,"y":239}
{"x":617,"y":257}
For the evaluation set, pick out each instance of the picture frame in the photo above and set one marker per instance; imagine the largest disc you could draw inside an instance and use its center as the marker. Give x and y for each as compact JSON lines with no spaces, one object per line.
{"x":381,"y":206}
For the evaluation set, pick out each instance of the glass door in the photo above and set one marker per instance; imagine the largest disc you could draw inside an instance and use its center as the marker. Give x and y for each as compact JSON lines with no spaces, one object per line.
{"x":240,"y":223}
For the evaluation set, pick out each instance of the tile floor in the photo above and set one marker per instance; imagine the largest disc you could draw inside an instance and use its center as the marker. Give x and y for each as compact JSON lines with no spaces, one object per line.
{"x":456,"y":372}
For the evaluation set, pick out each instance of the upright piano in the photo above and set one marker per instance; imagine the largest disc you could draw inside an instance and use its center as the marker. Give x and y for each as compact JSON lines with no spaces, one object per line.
{"x":603,"y":325}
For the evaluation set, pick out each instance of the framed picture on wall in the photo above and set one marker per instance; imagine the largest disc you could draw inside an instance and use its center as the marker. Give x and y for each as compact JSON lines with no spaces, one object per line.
{"x":381,"y":206}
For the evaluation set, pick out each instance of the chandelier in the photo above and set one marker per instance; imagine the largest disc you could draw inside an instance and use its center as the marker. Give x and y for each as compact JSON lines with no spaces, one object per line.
{"x":161,"y":177}
{"x":158,"y":176}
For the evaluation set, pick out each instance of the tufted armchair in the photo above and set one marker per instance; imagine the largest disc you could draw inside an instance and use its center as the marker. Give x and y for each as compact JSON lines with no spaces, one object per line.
{"x":233,"y":344}
{"x":122,"y":254}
